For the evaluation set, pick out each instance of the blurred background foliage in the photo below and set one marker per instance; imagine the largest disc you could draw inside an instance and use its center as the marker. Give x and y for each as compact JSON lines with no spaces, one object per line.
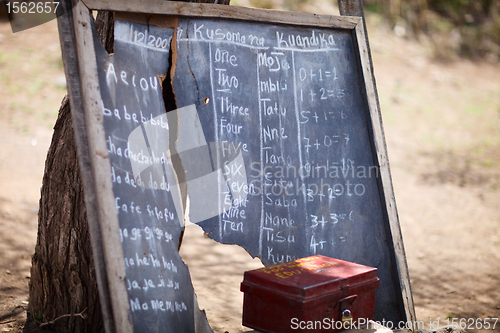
{"x":467,"y":28}
{"x":455,"y":28}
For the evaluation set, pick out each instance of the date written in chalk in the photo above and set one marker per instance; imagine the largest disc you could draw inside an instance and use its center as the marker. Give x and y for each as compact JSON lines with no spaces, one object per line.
{"x":16,"y":7}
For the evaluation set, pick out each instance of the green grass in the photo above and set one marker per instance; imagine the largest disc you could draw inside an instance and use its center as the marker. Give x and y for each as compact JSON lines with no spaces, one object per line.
{"x":35,"y":88}
{"x":474,"y":109}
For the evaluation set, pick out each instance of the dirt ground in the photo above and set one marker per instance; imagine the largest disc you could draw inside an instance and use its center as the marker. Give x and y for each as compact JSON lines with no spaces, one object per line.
{"x":442,"y":126}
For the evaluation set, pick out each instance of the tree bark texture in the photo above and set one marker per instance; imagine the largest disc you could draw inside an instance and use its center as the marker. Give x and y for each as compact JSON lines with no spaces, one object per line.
{"x":63,"y":279}
{"x":62,"y":274}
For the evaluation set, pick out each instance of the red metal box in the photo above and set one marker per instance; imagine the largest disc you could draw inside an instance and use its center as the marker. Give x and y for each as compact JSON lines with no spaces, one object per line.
{"x":316,"y":294}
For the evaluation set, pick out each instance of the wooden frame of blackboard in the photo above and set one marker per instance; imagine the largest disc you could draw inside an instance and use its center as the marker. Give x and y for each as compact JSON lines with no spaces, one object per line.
{"x":80,"y":66}
{"x":83,"y":90}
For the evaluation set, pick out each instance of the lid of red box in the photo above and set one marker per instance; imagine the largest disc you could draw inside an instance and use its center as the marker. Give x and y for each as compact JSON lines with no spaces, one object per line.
{"x":311,"y":276}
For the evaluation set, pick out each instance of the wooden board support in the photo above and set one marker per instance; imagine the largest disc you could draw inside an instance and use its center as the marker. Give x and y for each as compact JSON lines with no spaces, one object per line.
{"x":255,"y":90}
{"x":68,"y":46}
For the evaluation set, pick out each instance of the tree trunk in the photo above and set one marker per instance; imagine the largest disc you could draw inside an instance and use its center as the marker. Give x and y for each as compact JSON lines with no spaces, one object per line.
{"x":62,"y":274}
{"x":63,"y":279}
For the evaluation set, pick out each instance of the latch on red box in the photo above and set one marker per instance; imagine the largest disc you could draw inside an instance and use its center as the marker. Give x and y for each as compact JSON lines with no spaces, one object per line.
{"x":316,"y":294}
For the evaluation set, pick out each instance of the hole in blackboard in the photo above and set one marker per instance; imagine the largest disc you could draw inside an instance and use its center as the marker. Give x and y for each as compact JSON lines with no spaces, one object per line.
{"x":105,"y":26}
{"x":217,"y":271}
{"x":168,"y":90}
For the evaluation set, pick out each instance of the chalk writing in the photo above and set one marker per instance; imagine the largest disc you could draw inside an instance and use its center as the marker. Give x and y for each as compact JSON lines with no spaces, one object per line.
{"x":146,"y":232}
{"x":143,"y":37}
{"x":136,"y":305}
{"x":136,"y":134}
{"x":286,"y":99}
{"x":286,"y":165}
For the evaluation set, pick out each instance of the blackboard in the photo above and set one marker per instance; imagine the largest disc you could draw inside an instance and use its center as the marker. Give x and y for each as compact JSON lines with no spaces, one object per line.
{"x":157,"y":281}
{"x":276,"y":145}
{"x":290,"y":99}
